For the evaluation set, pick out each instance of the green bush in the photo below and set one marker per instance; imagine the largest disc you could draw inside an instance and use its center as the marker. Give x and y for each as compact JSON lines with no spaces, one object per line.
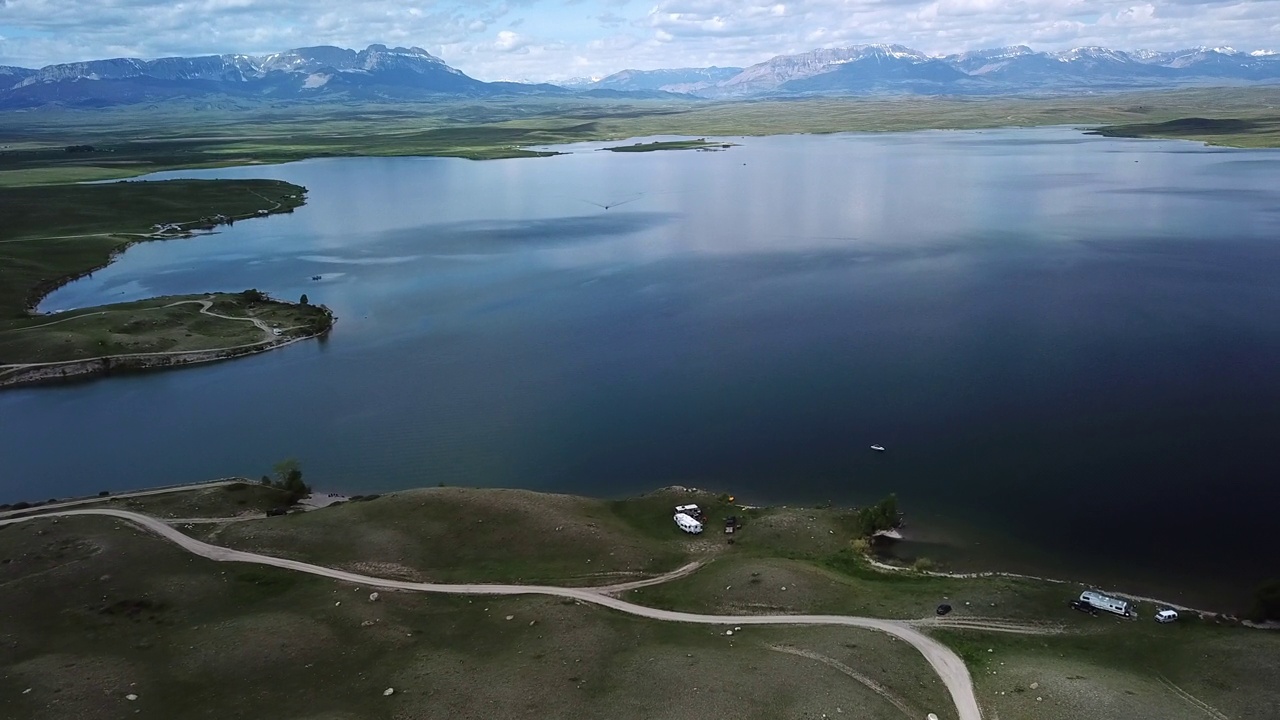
{"x":876,"y":518}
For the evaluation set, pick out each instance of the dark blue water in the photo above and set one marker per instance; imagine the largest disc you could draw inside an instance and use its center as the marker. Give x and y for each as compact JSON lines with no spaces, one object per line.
{"x":1068,"y":343}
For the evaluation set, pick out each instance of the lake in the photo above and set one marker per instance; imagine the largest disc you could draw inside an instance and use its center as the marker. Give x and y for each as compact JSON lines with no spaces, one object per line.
{"x":1070,"y":345}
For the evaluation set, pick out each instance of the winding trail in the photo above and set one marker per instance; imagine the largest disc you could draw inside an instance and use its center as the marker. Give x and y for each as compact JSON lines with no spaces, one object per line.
{"x":949,"y":667}
{"x":208,"y":303}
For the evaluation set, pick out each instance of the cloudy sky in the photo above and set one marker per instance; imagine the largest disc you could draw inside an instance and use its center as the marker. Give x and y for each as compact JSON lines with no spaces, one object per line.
{"x":561,"y":39}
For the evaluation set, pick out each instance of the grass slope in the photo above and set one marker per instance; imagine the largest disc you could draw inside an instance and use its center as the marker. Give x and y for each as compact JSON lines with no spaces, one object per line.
{"x":457,"y":535}
{"x":212,"y":502}
{"x":133,"y":614}
{"x":51,"y":234}
{"x":95,"y":611}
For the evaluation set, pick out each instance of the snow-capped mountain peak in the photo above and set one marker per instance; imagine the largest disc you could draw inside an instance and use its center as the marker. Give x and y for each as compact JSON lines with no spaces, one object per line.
{"x":1092,"y":53}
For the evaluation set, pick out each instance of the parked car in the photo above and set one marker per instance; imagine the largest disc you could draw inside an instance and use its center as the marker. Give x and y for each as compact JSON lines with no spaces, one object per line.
{"x":943,"y":609}
{"x":1166,"y":616}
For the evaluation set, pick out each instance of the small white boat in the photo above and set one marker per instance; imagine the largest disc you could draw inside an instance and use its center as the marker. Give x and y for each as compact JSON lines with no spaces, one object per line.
{"x":878,"y":448}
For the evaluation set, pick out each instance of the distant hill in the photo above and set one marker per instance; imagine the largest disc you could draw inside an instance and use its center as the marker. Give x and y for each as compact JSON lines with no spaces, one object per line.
{"x":382,"y":74}
{"x":680,"y":80}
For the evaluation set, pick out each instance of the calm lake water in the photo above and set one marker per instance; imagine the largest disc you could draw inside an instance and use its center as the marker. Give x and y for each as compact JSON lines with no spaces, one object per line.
{"x":1070,"y":345}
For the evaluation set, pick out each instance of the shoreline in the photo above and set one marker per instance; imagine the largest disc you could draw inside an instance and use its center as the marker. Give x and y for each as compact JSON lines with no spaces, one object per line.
{"x":45,"y":373}
{"x":320,"y":499}
{"x":172,"y":231}
{"x":76,"y":370}
{"x":1207,"y":615}
{"x":29,"y":374}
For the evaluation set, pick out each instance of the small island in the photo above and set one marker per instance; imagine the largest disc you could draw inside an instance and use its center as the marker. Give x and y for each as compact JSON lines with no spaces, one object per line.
{"x":57,"y":234}
{"x":699,"y":144}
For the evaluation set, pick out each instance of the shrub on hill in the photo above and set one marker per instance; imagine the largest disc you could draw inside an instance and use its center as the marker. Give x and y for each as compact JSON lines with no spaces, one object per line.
{"x":879,"y":517}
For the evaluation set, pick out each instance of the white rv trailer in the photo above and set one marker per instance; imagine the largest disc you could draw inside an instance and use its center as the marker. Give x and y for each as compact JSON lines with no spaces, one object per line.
{"x":688,"y":524}
{"x":1103,"y":602}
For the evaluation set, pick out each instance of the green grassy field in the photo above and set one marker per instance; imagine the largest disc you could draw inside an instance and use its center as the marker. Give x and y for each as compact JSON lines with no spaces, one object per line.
{"x":95,"y":611}
{"x":173,"y":628}
{"x":1141,"y":670}
{"x":134,"y":614}
{"x":455,"y":535}
{"x":129,"y":142}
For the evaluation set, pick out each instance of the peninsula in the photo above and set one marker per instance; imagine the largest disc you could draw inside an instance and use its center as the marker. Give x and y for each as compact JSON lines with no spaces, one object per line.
{"x":55,"y":234}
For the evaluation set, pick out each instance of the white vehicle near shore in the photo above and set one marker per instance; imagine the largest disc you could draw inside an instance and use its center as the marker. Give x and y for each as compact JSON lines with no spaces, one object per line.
{"x":1107,"y":603}
{"x":686,"y":518}
{"x":1166,"y":616}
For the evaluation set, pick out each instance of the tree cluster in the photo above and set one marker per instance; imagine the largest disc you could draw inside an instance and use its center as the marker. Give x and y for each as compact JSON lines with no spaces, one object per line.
{"x":288,"y":477}
{"x":876,"y":518}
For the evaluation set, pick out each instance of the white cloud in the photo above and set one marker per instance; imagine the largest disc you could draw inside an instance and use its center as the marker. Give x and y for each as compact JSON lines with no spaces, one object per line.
{"x":561,"y":38}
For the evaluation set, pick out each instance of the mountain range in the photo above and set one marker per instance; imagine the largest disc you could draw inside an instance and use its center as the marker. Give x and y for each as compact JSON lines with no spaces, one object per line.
{"x":885,"y":69}
{"x":311,"y":73}
{"x":379,"y":73}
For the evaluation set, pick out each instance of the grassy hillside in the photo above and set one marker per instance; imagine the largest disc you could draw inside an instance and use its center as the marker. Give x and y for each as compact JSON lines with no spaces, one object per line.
{"x":177,"y":631}
{"x":459,"y":535}
{"x":96,"y":611}
{"x":135,"y":615}
{"x":54,"y":233}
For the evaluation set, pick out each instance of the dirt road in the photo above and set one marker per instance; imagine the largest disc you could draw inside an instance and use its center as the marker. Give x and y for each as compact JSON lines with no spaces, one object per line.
{"x":949,"y":667}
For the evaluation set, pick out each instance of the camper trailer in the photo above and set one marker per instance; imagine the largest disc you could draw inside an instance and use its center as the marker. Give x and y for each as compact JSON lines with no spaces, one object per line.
{"x":1103,"y":602}
{"x":688,"y":519}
